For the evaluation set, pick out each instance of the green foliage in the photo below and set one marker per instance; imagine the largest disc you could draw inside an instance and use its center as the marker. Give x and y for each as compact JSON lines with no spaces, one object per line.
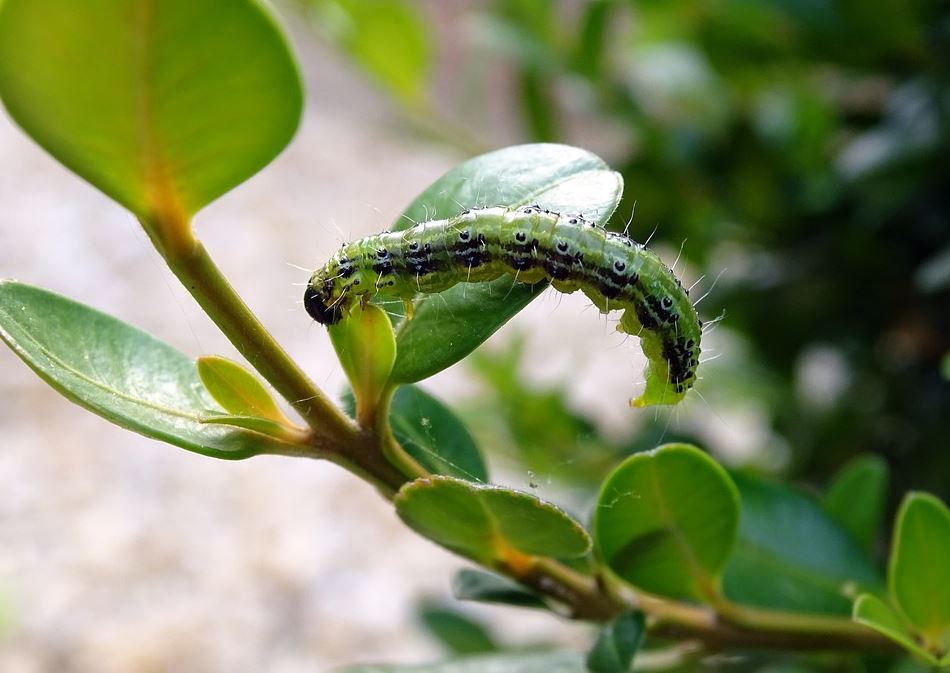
{"x":366,"y":348}
{"x":790,"y":555}
{"x":432,"y":434}
{"x":475,"y":585}
{"x":174,"y":104}
{"x":617,"y":644}
{"x":367,"y":30}
{"x":449,"y":325}
{"x":918,"y":582}
{"x":101,"y":363}
{"x":458,"y":633}
{"x":666,"y":522}
{"x":237,"y":390}
{"x":489,"y":524}
{"x":736,"y":141}
{"x":856,"y":498}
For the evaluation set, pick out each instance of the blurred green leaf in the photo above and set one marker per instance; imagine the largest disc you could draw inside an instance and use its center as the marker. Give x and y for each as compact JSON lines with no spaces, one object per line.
{"x":617,"y":644}
{"x":919,"y":568}
{"x":666,"y":521}
{"x":237,"y":390}
{"x":458,"y":633}
{"x":366,"y":347}
{"x":790,"y":555}
{"x":878,"y":615}
{"x":856,"y":498}
{"x":507,"y":662}
{"x":448,"y":326}
{"x":389,"y":39}
{"x":432,"y":434}
{"x":164,"y":106}
{"x":118,"y":372}
{"x":484,"y":587}
{"x":490,"y":524}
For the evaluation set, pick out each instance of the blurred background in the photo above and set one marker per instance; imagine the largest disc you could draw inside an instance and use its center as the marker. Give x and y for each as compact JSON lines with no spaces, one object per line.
{"x":791,"y":154}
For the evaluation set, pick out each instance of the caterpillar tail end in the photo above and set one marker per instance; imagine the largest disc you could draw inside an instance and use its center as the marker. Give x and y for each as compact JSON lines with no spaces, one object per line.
{"x":658,"y":391}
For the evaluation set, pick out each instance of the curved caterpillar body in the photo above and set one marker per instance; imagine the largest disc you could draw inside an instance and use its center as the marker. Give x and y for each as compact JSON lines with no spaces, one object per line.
{"x":533,"y":244}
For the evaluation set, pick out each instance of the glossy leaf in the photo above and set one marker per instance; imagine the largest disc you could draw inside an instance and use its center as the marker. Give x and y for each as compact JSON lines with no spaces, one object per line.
{"x":450,"y":325}
{"x":432,"y":434}
{"x":118,"y":372}
{"x":666,"y":521}
{"x":490,"y":524}
{"x":856,"y":498}
{"x":477,"y":585}
{"x":790,"y":555}
{"x":366,"y":347}
{"x":237,"y":390}
{"x":506,"y":662}
{"x":919,"y":569}
{"x":878,"y":615}
{"x":617,"y":644}
{"x":164,"y":106}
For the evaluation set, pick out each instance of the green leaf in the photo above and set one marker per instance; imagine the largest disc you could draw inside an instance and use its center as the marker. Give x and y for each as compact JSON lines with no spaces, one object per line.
{"x":506,"y":662}
{"x":856,"y":498}
{"x":617,"y":644}
{"x":490,"y":524}
{"x":264,"y":426}
{"x":237,"y":390}
{"x":666,"y":521}
{"x":164,"y":106}
{"x":878,"y":615}
{"x":118,"y":372}
{"x":366,"y":347}
{"x":448,"y":326}
{"x":458,"y":633}
{"x":477,"y":585}
{"x":389,"y":39}
{"x":432,"y":434}
{"x":919,"y":569}
{"x":791,"y":556}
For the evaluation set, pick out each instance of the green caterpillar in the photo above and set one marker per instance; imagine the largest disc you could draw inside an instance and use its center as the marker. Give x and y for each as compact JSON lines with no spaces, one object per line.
{"x":534,"y":244}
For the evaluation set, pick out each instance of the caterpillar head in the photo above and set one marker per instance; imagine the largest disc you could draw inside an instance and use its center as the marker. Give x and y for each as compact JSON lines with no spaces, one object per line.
{"x":321,"y":302}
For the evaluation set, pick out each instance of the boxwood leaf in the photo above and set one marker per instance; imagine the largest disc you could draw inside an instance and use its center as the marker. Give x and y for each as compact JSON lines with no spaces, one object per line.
{"x":164,"y":106}
{"x":432,"y":434}
{"x":617,"y":644}
{"x":878,"y":615}
{"x":120,"y":373}
{"x":856,"y":498}
{"x":493,"y":525}
{"x":666,"y":521}
{"x":237,"y":390}
{"x":790,"y":555}
{"x":457,"y":632}
{"x":477,"y":585}
{"x":366,"y":347}
{"x":919,"y":569}
{"x":448,"y":326}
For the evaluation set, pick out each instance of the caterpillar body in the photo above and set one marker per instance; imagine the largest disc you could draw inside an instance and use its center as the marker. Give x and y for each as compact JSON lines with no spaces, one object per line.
{"x":533,"y":244}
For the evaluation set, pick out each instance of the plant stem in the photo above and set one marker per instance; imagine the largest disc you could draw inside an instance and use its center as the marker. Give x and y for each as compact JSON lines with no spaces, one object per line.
{"x":727,"y":626}
{"x":373,"y":453}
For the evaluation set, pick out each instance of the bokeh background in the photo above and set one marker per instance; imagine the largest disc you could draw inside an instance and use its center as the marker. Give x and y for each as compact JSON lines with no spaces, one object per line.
{"x":794,"y":150}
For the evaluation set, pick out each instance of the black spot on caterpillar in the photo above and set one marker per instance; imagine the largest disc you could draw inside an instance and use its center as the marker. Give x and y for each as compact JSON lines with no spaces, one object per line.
{"x":534,"y":244}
